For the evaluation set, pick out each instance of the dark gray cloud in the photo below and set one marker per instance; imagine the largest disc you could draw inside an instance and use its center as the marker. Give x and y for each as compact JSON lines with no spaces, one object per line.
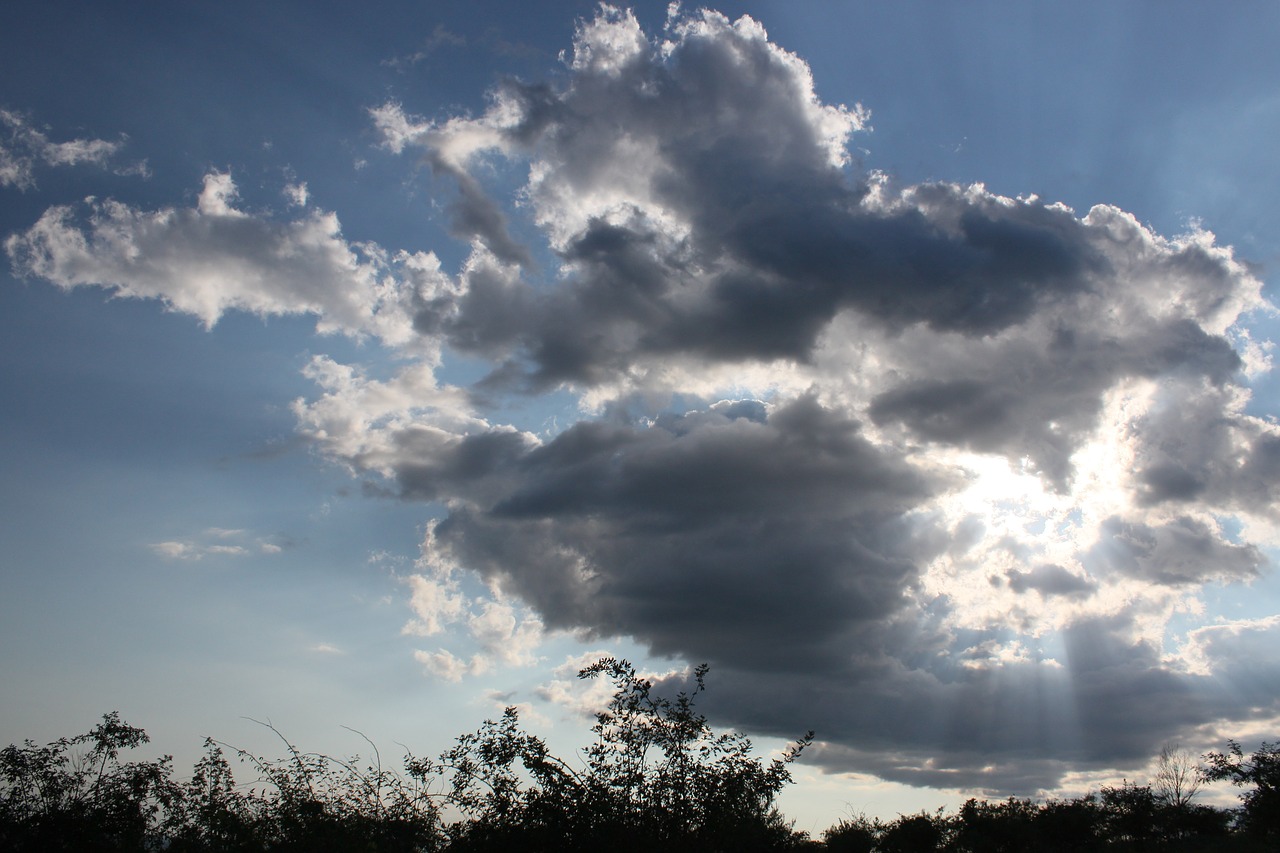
{"x":695,"y":193}
{"x":685,"y":532}
{"x":1050,"y":580}
{"x":762,"y":239}
{"x":1195,"y":449}
{"x":1183,"y":551}
{"x":821,"y":550}
{"x":1015,"y":729}
{"x":473,"y":214}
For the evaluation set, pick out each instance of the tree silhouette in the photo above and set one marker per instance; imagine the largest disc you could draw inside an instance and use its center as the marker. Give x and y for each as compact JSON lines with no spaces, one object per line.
{"x":1260,"y":809}
{"x":1178,"y":777}
{"x":76,"y":794}
{"x":656,"y":777}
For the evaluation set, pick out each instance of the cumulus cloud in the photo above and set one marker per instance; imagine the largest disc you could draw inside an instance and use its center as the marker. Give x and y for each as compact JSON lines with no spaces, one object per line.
{"x":215,"y":258}
{"x":929,"y":467}
{"x":502,"y":633}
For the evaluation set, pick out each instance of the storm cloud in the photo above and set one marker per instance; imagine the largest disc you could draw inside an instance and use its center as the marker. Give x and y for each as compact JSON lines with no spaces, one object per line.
{"x":816,"y":542}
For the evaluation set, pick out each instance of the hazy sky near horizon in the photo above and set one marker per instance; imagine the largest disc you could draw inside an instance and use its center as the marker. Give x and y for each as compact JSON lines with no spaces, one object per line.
{"x":909,"y":364}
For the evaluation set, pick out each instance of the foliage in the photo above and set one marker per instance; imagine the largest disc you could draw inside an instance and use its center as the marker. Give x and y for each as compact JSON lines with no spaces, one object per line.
{"x":316,"y":802}
{"x":920,"y":833}
{"x":1002,"y":827}
{"x":853,"y":835}
{"x":76,"y":794}
{"x":60,"y":797}
{"x":1123,"y":818}
{"x":656,"y":778}
{"x":1260,"y":807}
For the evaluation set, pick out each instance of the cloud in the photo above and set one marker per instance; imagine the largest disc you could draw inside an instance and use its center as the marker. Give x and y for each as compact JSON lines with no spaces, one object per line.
{"x":584,"y":698}
{"x":27,"y":148}
{"x":929,"y":467}
{"x":216,"y":542}
{"x":502,"y":633}
{"x":215,"y":258}
{"x":1183,"y":551}
{"x":1050,"y":580}
{"x":444,"y":665}
{"x":440,"y":37}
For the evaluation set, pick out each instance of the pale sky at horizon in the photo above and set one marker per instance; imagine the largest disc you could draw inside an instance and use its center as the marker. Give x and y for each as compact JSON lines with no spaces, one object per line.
{"x":910,"y":364}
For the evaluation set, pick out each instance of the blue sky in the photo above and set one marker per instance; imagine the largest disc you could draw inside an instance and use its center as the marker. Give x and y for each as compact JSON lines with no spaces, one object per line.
{"x":378,"y":367}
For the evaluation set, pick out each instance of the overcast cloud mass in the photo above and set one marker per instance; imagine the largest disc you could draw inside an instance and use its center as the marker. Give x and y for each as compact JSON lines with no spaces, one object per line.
{"x":938,"y":473}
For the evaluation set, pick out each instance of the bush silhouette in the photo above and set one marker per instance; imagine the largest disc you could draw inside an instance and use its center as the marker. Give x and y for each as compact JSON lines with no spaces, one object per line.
{"x":655,"y":778}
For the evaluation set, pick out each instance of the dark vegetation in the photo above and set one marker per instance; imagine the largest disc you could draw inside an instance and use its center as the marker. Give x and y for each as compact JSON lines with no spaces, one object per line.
{"x":656,"y":778}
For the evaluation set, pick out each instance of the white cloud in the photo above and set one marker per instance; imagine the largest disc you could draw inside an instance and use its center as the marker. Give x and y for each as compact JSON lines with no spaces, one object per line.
{"x":216,"y":542}
{"x":502,"y":633}
{"x":296,"y":194}
{"x":177,"y":550}
{"x":584,"y":698}
{"x":373,"y":425}
{"x":27,"y":148}
{"x":215,"y":258}
{"x":435,"y":604}
{"x":1230,"y":644}
{"x":504,"y":637}
{"x":443,"y":665}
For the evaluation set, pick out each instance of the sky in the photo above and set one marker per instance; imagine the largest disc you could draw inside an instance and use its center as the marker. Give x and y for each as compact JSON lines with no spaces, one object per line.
{"x":910,"y":364}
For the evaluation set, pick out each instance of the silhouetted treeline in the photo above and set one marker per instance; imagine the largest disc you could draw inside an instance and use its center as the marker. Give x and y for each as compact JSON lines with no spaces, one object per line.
{"x":657,"y":778}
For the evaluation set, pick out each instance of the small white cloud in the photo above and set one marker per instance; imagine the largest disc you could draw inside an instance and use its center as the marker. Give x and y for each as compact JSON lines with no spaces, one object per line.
{"x":27,"y":148}
{"x":218,"y":196}
{"x":505,"y":638}
{"x":443,"y":664}
{"x":215,"y":258}
{"x":177,"y":550}
{"x":435,"y":604}
{"x":296,"y":194}
{"x":215,"y":541}
{"x":228,"y":550}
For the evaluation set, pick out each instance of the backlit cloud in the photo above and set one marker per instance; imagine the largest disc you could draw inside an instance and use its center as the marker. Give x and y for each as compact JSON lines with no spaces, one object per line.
{"x":935,"y":501}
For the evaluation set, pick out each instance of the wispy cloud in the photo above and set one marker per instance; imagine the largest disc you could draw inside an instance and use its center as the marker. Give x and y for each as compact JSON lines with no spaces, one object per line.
{"x":216,"y":542}
{"x":26,"y":148}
